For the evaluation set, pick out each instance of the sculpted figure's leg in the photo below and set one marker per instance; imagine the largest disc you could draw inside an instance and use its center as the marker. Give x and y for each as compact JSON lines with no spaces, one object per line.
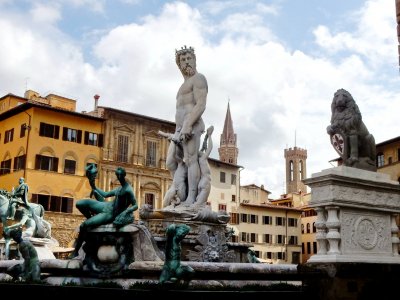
{"x":171,"y":161}
{"x":88,"y":207}
{"x":11,"y":211}
{"x":191,"y":155}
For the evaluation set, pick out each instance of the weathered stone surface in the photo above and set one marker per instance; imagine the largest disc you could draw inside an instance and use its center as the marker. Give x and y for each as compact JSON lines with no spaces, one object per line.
{"x":356,"y":211}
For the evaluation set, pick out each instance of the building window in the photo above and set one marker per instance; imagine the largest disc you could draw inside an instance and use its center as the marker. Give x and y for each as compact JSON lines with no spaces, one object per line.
{"x":380,"y":159}
{"x":314,"y":229}
{"x":253,"y":219}
{"x":267,"y":238}
{"x":267,"y":220}
{"x":253,"y":238}
{"x":302,"y":248}
{"x":280,"y":221}
{"x":122,"y":154}
{"x":49,"y":130}
{"x":243,"y":236}
{"x":302,"y":228}
{"x":233,"y":198}
{"x":9,"y":136}
{"x":233,"y":179}
{"x":314,"y":247}
{"x":72,"y":135}
{"x":222,"y":177}
{"x":151,"y":154}
{"x":22,"y":130}
{"x":54,"y":203}
{"x":46,"y":163}
{"x":292,"y":240}
{"x":291,"y":170}
{"x":149,"y":199}
{"x":69,"y":166}
{"x":5,"y":167}
{"x":235,"y":239}
{"x":308,"y":228}
{"x":390,"y":160}
{"x":292,"y":222}
{"x":222,"y":207}
{"x":308,"y":248}
{"x":280,"y":255}
{"x":93,"y":139}
{"x":280,"y":239}
{"x":234,"y":218}
{"x":243,"y":218}
{"x":19,"y":162}
{"x":268,"y":255}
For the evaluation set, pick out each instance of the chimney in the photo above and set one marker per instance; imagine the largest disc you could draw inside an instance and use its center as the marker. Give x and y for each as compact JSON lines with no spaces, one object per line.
{"x":96,"y":100}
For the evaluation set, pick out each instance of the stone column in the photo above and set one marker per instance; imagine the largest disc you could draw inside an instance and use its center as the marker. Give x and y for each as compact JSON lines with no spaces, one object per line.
{"x":321,"y":231}
{"x":333,"y":225}
{"x":395,"y":236}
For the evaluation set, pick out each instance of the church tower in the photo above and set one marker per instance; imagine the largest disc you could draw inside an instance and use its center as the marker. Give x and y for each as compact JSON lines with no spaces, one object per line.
{"x":296,"y":170}
{"x":228,"y":151}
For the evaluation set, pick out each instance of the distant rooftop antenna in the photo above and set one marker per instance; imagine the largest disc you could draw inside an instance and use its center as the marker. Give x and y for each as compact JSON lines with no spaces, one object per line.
{"x":96,"y":101}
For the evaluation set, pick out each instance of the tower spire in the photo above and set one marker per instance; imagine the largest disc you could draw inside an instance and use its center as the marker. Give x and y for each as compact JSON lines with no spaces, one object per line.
{"x":228,"y":151}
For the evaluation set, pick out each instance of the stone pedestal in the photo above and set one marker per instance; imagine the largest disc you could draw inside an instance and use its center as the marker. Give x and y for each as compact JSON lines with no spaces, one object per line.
{"x":206,"y":241}
{"x":107,"y":251}
{"x":356,"y":216}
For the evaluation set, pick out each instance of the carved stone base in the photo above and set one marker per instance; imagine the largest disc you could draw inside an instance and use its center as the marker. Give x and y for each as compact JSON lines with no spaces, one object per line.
{"x":205,"y":242}
{"x":356,"y":216}
{"x":108,"y":251}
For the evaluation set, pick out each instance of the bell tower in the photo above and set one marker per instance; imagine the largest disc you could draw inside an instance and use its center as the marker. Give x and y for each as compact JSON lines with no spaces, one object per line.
{"x":228,"y":151}
{"x":296,"y":170}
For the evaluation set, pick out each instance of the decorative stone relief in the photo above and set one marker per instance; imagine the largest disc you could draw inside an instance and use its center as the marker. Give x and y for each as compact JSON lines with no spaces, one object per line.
{"x":213,"y":248}
{"x":366,"y":233}
{"x":353,"y":194}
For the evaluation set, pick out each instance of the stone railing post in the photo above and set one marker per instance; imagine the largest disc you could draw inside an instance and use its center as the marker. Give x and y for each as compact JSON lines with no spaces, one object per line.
{"x":333,"y":225}
{"x":321,"y":231}
{"x":395,"y":236}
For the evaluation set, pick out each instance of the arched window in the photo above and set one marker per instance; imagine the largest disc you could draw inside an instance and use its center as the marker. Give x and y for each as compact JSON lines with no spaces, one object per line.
{"x":301,"y":170}
{"x":308,"y":228}
{"x":291,"y":170}
{"x":314,"y":229}
{"x":302,"y":228}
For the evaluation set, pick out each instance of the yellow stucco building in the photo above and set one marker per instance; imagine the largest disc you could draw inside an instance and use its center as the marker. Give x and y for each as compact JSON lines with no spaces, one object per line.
{"x":44,"y":140}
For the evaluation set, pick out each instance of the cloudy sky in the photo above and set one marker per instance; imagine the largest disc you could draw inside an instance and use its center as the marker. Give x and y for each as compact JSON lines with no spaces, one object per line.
{"x":278,"y":62}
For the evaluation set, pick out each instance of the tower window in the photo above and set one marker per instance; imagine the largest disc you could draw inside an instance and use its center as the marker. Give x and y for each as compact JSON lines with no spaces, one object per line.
{"x":291,"y":170}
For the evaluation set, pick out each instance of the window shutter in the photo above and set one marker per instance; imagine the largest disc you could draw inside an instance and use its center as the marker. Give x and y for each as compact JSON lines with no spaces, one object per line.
{"x":70,"y":203}
{"x":37,"y":162}
{"x":86,"y":138}
{"x":41,"y":130}
{"x":55,"y":164}
{"x":79,"y":137}
{"x":100,"y":141}
{"x":12,"y":135}
{"x":65,"y":132}
{"x":56,"y":131}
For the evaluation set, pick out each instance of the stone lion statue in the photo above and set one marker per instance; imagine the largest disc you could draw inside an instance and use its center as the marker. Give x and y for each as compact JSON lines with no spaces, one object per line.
{"x":349,"y":135}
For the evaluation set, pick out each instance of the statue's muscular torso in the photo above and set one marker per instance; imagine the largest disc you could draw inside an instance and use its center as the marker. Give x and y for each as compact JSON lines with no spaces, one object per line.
{"x":186,"y":101}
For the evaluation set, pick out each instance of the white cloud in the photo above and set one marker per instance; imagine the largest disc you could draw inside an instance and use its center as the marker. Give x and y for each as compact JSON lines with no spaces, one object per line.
{"x":375,"y":37}
{"x":274,"y":91}
{"x":45,"y":13}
